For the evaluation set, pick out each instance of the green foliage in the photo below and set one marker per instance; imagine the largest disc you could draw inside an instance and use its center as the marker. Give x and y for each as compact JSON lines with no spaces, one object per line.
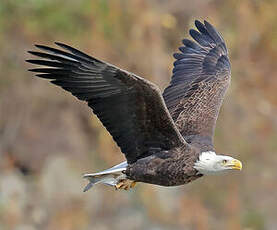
{"x":254,"y":220}
{"x":39,"y":16}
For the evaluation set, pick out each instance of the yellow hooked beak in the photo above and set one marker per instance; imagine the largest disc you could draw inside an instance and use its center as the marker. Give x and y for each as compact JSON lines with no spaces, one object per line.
{"x":235,"y":164}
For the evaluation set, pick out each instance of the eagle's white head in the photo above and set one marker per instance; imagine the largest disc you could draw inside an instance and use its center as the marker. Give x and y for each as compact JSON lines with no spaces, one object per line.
{"x":211,"y":163}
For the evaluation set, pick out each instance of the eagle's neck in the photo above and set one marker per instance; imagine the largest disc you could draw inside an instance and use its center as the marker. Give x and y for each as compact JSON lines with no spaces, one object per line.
{"x":205,"y":163}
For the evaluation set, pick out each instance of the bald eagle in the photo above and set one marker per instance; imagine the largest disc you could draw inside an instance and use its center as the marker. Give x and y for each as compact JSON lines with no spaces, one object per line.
{"x":167,"y":138}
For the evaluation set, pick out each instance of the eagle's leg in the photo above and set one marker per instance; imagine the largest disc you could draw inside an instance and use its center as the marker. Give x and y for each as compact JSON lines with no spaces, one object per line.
{"x":125,"y":184}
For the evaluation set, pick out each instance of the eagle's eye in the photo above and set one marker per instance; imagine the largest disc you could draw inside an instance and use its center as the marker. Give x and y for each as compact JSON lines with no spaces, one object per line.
{"x":224,"y":161}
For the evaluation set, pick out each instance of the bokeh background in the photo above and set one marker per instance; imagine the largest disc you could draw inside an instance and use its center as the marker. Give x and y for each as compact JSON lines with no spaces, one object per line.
{"x":48,"y":138}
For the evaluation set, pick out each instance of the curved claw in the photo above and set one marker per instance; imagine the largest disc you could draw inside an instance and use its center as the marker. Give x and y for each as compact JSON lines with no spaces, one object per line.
{"x":125,"y":184}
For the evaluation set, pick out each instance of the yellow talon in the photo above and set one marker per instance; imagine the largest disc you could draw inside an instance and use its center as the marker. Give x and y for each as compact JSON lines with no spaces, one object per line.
{"x":119,"y":185}
{"x":133,"y":184}
{"x":125,"y":184}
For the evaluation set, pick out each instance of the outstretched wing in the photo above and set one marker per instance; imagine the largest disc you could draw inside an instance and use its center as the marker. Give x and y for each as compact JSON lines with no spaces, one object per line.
{"x":131,"y":108}
{"x":200,"y":78}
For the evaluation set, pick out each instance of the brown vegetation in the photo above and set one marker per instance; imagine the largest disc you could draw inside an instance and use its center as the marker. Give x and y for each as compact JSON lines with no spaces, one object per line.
{"x":48,"y":138}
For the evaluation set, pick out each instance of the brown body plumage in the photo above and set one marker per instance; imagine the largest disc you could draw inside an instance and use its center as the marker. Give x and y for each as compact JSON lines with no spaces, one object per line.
{"x":167,"y":168}
{"x":161,"y":135}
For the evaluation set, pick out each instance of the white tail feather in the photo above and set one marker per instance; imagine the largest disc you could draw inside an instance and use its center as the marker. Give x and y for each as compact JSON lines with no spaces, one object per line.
{"x":109,"y":176}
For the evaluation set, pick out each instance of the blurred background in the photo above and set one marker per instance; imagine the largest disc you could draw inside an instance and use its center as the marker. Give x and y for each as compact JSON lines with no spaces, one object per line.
{"x":48,"y":138}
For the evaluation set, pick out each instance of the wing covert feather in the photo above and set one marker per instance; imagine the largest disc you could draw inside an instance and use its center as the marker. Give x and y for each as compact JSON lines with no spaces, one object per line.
{"x":131,"y":108}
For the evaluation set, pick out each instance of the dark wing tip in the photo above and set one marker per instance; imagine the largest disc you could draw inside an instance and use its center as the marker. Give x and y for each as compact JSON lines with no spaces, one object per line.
{"x":204,"y":35}
{"x":198,"y":24}
{"x":60,"y":44}
{"x":201,"y":27}
{"x":32,"y":70}
{"x":68,"y":47}
{"x":39,"y":70}
{"x":57,"y":43}
{"x":35,"y":61}
{"x":213,"y":32}
{"x":31,"y":52}
{"x":38,"y":46}
{"x":77,"y":52}
{"x":194,"y":33}
{"x":203,"y":50}
{"x":190,"y":43}
{"x":207,"y":23}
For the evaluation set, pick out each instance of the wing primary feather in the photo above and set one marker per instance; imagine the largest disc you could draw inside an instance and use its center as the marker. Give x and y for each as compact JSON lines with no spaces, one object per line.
{"x":77,"y":52}
{"x":200,"y":78}
{"x":64,"y":54}
{"x":213,"y":33}
{"x":191,"y":44}
{"x":200,"y":26}
{"x":54,"y":57}
{"x":48,"y":63}
{"x":131,"y":108}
